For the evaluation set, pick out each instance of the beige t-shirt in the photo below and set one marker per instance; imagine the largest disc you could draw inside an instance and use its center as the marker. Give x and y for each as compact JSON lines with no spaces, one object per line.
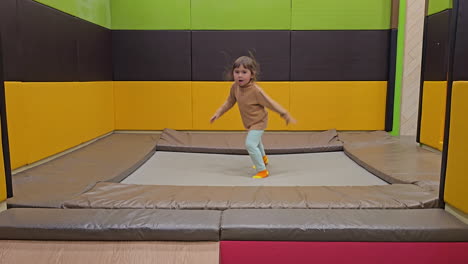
{"x":252,"y":101}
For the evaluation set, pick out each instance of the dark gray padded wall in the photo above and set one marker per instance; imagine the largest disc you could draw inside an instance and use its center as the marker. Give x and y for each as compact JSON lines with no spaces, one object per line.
{"x":9,"y":35}
{"x":435,"y":56}
{"x":213,"y":53}
{"x":44,"y":44}
{"x":48,"y":43}
{"x":460,"y":64}
{"x":340,"y":55}
{"x":94,"y":52}
{"x":151,"y":55}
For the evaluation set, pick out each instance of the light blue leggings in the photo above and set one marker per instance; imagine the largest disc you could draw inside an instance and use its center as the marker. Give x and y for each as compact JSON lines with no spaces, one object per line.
{"x":253,"y":144}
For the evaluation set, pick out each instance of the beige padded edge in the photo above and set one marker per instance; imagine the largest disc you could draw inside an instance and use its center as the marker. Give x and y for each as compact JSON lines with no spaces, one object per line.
{"x":394,"y":160}
{"x":233,"y":143}
{"x":117,"y":195}
{"x":53,"y":182}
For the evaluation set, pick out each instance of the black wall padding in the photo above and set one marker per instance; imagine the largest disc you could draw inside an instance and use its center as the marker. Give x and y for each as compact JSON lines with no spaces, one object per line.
{"x":94,"y":52}
{"x":340,"y":55}
{"x":460,"y":66}
{"x":151,"y":55}
{"x":9,"y":32}
{"x":435,"y":56}
{"x":5,"y":148}
{"x":48,"y":43}
{"x":213,"y":53}
{"x":391,"y":80}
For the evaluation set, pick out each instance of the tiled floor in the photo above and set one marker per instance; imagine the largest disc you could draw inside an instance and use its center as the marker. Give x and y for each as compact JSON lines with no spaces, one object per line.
{"x":103,"y":252}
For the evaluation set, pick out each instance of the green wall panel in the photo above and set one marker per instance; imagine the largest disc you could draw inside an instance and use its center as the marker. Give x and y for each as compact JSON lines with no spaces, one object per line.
{"x":95,"y":11}
{"x":150,"y":14}
{"x":69,"y":7}
{"x":399,"y":68}
{"x":435,"y":6}
{"x":241,"y":14}
{"x":340,"y":14}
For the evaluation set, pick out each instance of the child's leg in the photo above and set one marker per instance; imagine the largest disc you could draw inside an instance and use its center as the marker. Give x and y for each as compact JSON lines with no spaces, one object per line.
{"x":254,"y":137}
{"x":262,"y":150}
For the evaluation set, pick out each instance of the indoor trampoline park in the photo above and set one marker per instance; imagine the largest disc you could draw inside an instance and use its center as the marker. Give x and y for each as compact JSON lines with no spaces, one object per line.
{"x":130,"y":133}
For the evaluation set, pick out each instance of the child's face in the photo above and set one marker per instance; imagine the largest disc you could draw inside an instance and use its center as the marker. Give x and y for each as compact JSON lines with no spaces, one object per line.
{"x":242,"y":75}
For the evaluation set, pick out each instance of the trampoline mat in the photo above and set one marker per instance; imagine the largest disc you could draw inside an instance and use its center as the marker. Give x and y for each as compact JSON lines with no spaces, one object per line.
{"x":311,"y":169}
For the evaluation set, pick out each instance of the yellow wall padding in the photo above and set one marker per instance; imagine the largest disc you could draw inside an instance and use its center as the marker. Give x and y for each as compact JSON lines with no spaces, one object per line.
{"x":433,"y":114}
{"x":153,"y":105}
{"x":189,"y":105}
{"x":47,"y":118}
{"x":343,"y":105}
{"x":17,"y":102}
{"x":456,"y":181}
{"x":3,"y":193}
{"x":209,"y":96}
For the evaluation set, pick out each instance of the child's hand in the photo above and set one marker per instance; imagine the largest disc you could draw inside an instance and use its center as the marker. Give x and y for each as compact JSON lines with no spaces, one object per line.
{"x":214,"y":117}
{"x":289,"y":119}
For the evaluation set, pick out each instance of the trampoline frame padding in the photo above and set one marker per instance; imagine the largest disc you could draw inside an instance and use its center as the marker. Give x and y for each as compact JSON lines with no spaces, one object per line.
{"x":430,"y":225}
{"x":233,"y":143}
{"x":111,"y":158}
{"x":412,"y":170}
{"x":414,"y":186}
{"x":287,"y":213}
{"x":117,"y":195}
{"x":398,"y":225}
{"x":95,"y":224}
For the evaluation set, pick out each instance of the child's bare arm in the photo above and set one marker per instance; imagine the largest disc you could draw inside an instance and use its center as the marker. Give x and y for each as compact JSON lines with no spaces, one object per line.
{"x":271,"y":104}
{"x":231,"y":100}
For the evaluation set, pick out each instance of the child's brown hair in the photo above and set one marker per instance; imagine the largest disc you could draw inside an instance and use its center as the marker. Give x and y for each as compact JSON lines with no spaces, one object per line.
{"x":247,"y":62}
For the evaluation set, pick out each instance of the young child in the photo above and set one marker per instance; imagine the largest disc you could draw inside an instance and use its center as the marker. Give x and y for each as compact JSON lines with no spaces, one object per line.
{"x":252,"y":101}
